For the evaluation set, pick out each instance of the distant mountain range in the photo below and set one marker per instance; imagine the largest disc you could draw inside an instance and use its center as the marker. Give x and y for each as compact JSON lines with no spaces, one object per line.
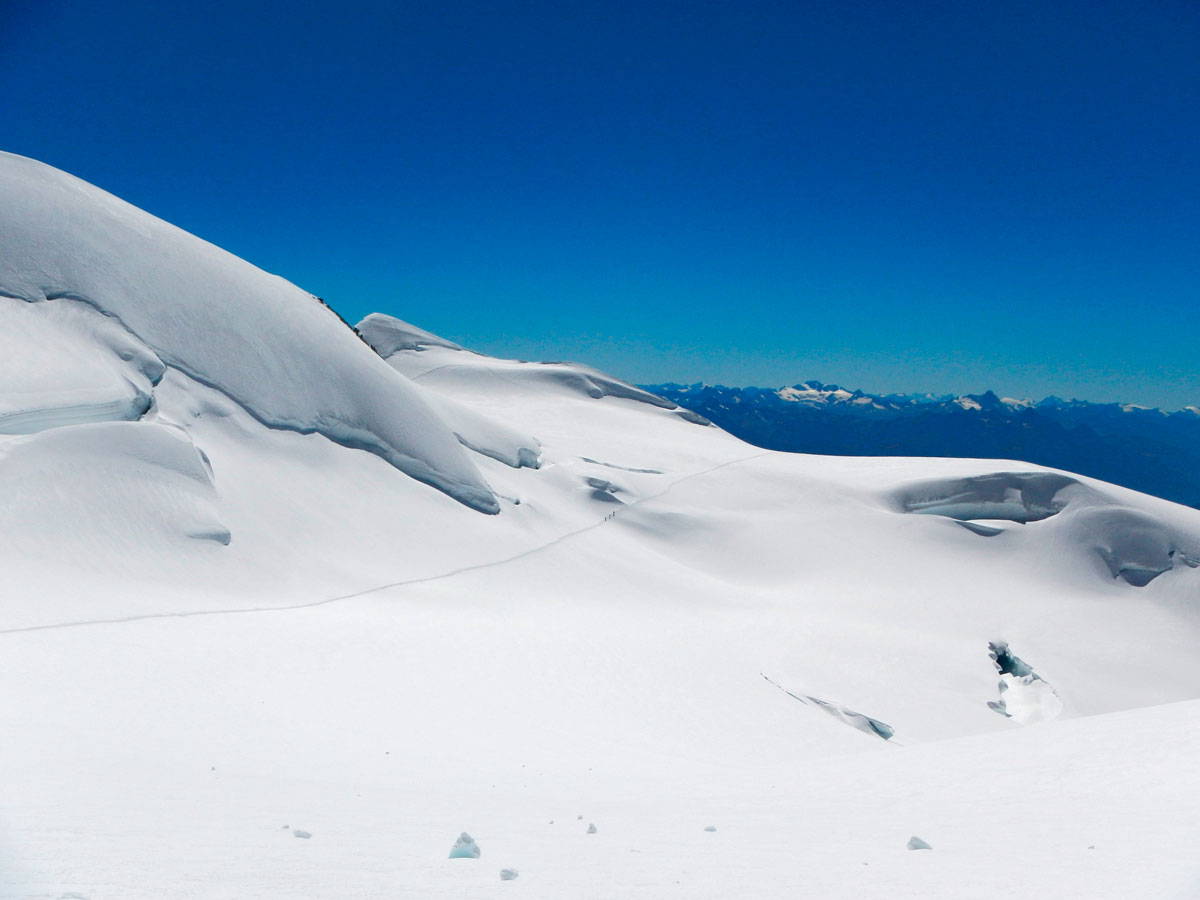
{"x":1149,"y":450}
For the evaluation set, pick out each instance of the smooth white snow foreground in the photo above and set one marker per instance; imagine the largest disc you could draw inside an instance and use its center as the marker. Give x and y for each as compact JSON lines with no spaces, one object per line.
{"x":211,"y":625}
{"x":150,"y":823}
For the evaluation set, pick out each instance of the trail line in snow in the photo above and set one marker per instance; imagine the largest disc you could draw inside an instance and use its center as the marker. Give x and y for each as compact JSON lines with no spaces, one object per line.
{"x":425,"y":579}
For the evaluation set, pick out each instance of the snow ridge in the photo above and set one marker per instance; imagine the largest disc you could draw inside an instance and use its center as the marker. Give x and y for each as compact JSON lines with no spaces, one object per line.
{"x":263,"y":342}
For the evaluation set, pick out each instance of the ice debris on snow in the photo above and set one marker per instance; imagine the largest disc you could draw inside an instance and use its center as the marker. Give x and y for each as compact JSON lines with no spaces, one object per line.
{"x":508,"y":874}
{"x":592,"y":829}
{"x":1024,"y":696}
{"x":710,"y":827}
{"x":301,"y":833}
{"x":464,"y":848}
{"x":915,"y":843}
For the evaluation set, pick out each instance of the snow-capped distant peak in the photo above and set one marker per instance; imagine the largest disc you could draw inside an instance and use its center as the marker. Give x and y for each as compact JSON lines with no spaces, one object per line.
{"x":814,"y":393}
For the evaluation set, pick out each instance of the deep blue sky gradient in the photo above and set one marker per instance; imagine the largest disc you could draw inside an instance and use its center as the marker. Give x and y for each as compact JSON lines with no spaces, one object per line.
{"x":924,"y":196}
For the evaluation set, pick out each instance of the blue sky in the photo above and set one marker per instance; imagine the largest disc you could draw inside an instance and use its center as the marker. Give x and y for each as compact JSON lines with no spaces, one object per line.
{"x":942,"y":196}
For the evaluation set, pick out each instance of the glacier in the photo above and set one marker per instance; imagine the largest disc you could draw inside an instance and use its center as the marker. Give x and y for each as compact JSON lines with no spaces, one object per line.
{"x":261,"y":341}
{"x":542,"y":593}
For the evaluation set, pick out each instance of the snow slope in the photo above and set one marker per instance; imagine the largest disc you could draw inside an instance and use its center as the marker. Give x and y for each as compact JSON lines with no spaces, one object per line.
{"x":220,"y":617}
{"x":264,"y":343}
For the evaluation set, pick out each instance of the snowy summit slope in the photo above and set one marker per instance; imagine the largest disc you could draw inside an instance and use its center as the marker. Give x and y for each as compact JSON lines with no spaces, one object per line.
{"x":243,"y":657}
{"x":192,"y":307}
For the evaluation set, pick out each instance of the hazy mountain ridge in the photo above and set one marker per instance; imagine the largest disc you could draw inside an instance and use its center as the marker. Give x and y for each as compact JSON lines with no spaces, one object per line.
{"x":1150,"y":450}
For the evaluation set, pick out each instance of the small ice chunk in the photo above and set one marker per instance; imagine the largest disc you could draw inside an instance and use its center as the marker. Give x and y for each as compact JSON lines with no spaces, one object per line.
{"x":464,"y":848}
{"x":300,"y":833}
{"x":915,"y":843}
{"x":508,"y":874}
{"x":710,"y":827}
{"x":592,"y":829}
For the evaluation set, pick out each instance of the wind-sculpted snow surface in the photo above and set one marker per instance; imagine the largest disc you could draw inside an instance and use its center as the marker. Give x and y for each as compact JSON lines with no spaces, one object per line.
{"x":484,"y":434}
{"x":143,"y":483}
{"x":1015,"y":496}
{"x":1135,"y":546}
{"x":390,"y":336}
{"x":66,"y":364}
{"x":267,"y":344}
{"x":210,"y":628}
{"x":490,"y":437}
{"x":855,"y":720}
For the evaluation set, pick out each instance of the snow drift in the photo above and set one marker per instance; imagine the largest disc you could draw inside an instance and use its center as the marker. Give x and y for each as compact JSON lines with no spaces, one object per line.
{"x":390,"y":336}
{"x":265,"y":343}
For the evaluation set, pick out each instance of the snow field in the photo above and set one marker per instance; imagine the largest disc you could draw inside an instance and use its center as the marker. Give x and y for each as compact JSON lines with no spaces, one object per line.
{"x":147,"y":819}
{"x":224,"y":625}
